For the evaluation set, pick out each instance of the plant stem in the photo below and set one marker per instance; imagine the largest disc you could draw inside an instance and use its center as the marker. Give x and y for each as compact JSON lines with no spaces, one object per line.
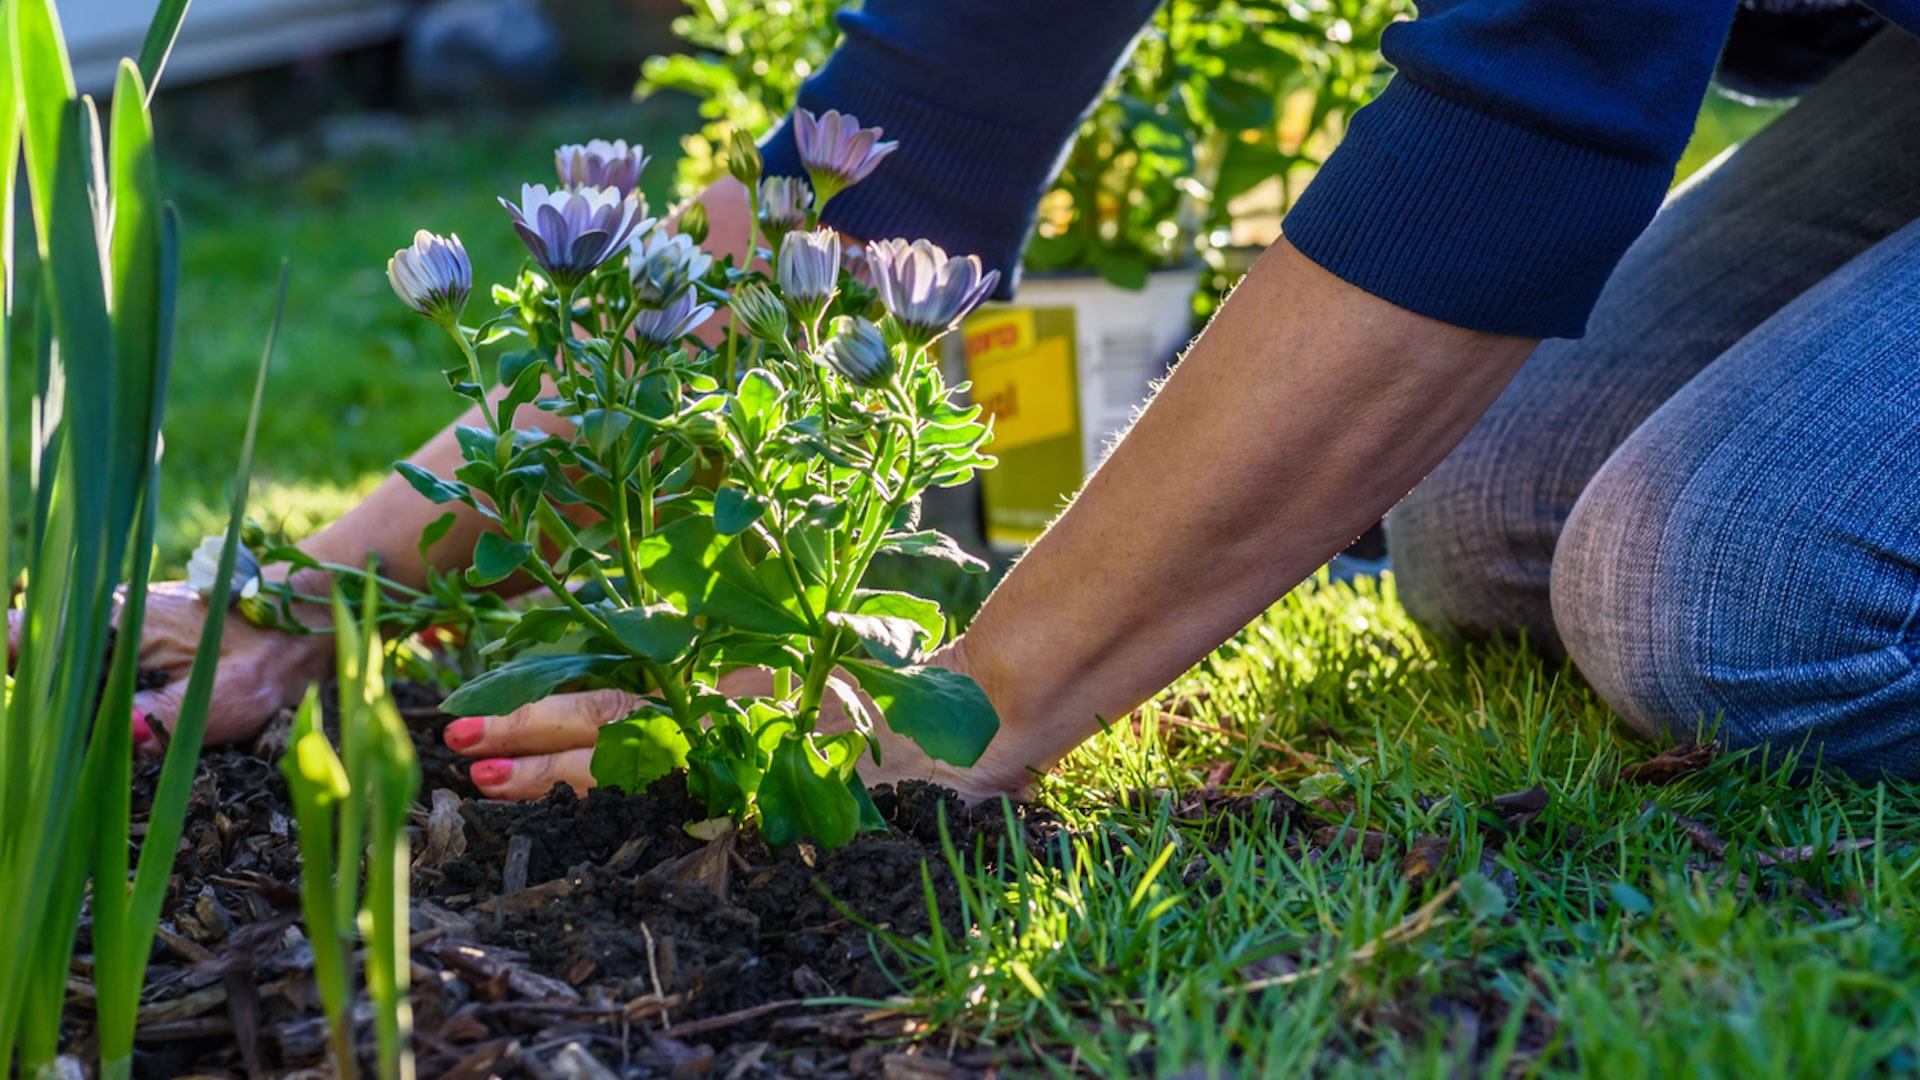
{"x":494,"y":423}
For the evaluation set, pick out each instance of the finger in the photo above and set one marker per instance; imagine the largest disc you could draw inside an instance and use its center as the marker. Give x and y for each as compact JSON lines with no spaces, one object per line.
{"x":560,"y":722}
{"x":15,"y":620}
{"x":161,"y":706}
{"x":532,"y":777}
{"x":144,"y":739}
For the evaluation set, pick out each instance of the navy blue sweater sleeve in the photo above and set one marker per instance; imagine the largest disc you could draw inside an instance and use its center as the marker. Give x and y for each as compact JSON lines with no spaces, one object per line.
{"x":984,"y":97}
{"x":1521,"y":146}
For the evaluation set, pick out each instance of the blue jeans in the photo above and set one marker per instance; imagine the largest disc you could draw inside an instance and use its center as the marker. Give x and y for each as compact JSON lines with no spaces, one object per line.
{"x":1711,"y":503}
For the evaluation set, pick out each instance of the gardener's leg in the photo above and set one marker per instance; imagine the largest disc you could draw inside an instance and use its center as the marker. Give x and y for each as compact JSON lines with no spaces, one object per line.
{"x":1472,"y":547}
{"x":1753,"y":550}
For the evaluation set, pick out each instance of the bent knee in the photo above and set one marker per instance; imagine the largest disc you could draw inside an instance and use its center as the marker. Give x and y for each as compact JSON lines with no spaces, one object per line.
{"x":1688,"y":624}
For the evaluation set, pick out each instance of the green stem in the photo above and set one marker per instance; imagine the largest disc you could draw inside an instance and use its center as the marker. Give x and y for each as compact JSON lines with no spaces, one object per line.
{"x":494,"y":423}
{"x":826,"y":652}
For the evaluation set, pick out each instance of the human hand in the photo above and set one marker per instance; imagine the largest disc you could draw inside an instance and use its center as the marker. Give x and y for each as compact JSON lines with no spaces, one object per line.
{"x":523,"y":754}
{"x":260,"y":671}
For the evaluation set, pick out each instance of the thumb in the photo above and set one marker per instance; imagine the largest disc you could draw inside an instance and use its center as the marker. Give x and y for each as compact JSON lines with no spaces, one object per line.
{"x":161,"y":706}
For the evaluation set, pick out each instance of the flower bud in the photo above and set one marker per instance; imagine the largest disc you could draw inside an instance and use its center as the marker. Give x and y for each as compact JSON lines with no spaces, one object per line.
{"x":808,"y":270}
{"x":693,"y":222}
{"x":703,"y":430}
{"x":433,"y":276}
{"x":663,"y":266}
{"x":760,"y":312}
{"x":858,"y":351}
{"x":784,"y":203}
{"x":743,"y":158}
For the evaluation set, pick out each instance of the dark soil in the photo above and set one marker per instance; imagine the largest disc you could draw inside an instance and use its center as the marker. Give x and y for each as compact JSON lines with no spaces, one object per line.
{"x":546,"y":929}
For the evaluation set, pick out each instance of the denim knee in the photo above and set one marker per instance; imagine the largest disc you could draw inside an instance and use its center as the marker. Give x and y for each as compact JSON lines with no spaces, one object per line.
{"x":1472,"y":551}
{"x":1692,"y":614}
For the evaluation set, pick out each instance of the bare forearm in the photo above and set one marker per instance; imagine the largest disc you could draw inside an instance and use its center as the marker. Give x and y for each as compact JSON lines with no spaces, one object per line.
{"x":1304,"y":412}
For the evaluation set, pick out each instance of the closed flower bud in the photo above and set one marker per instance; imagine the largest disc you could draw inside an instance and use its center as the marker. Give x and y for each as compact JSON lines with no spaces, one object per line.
{"x":743,"y":158}
{"x":858,"y":351}
{"x":693,"y":222}
{"x":703,"y":430}
{"x":836,"y":151}
{"x":433,"y":276}
{"x":808,"y":270}
{"x":784,"y":202}
{"x":760,"y":312}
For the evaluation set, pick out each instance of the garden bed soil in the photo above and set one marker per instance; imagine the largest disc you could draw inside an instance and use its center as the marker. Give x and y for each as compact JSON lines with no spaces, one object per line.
{"x":576,"y":938}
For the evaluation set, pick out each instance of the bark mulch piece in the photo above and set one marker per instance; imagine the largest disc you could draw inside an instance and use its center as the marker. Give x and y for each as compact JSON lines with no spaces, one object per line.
{"x":570,"y":937}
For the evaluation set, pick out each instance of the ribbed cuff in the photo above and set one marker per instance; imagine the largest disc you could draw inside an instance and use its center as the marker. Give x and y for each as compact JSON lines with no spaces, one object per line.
{"x":1471,"y":220}
{"x":971,"y":187}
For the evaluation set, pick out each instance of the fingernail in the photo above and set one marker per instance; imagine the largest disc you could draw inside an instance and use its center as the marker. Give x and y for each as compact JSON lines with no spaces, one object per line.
{"x":142,"y":734}
{"x":465,"y":732}
{"x":492,"y":771}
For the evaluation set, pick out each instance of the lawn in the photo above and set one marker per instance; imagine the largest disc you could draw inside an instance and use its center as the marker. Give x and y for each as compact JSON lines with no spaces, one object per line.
{"x":1336,"y":846}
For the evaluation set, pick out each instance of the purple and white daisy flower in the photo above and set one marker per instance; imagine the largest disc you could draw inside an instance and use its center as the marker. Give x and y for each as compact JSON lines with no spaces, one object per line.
{"x":926,"y":291}
{"x":433,"y":276}
{"x":601,"y":164}
{"x":572,"y":232}
{"x":836,"y":151}
{"x":663,"y":266}
{"x":666,"y":325}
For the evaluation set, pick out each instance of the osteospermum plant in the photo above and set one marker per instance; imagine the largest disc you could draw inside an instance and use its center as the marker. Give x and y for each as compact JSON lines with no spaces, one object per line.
{"x":721,"y":493}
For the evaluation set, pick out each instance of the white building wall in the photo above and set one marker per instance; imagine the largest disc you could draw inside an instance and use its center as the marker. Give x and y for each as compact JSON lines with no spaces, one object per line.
{"x":220,"y":37}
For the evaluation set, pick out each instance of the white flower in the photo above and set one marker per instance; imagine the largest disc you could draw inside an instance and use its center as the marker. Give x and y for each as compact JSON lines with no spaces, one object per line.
{"x":784,"y":202}
{"x":203,"y":570}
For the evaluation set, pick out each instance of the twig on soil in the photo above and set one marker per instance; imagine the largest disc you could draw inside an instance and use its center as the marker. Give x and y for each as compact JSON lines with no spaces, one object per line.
{"x":653,"y":972}
{"x":726,"y":1020}
{"x":1415,"y":924}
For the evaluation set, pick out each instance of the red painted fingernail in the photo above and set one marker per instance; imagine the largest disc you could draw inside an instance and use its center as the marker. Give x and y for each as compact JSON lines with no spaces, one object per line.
{"x":492,"y":771}
{"x":465,"y":732}
{"x":142,"y":734}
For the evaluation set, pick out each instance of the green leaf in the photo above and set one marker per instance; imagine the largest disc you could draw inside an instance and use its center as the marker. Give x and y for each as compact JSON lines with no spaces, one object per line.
{"x":804,"y":796}
{"x":658,"y":632}
{"x":1625,"y":897}
{"x":526,"y":680}
{"x":496,"y":558}
{"x":898,"y":628}
{"x":704,"y":573}
{"x":434,"y":488}
{"x":429,"y":536}
{"x":632,"y":753}
{"x":735,"y":511}
{"x":944,"y":711}
{"x":158,"y":45}
{"x":542,"y":626}
{"x":870,"y":819}
{"x":933,"y":544}
{"x":756,"y":404}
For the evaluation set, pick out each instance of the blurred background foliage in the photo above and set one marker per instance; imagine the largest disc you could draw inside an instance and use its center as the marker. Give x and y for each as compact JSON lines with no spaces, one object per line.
{"x":338,"y":178}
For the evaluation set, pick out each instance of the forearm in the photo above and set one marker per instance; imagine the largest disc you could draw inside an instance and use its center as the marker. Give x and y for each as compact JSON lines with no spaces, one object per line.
{"x":1306,"y":409}
{"x":387,"y":524}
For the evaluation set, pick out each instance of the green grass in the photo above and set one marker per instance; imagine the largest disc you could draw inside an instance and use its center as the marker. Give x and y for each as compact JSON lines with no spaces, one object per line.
{"x":1596,"y":939}
{"x":357,"y":383}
